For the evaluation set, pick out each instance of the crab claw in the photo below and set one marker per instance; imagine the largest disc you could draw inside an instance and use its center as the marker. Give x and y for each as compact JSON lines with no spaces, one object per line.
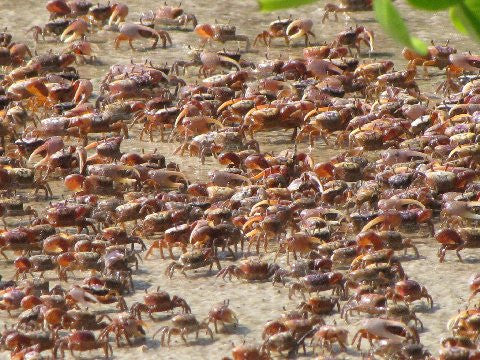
{"x":465,"y":150}
{"x":81,"y":296}
{"x":119,"y":14}
{"x":51,"y":146}
{"x":388,"y":329}
{"x":260,"y":204}
{"x":83,"y":90}
{"x":130,"y":32}
{"x":165,"y":178}
{"x":252,"y":220}
{"x":38,"y":89}
{"x":224,"y":178}
{"x":74,"y":182}
{"x":205,"y":31}
{"x":180,"y":116}
{"x":370,"y":39}
{"x":321,"y":68}
{"x":398,"y":203}
{"x":301,"y":26}
{"x":58,"y":7}
{"x":229,"y":61}
{"x":465,"y":61}
{"x":379,"y":219}
{"x":82,"y":159}
{"x":315,"y":111}
{"x":79,"y":27}
{"x":226,"y":104}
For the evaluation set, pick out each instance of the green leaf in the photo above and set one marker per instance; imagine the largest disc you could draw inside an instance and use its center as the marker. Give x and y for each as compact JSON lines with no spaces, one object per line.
{"x":270,"y":5}
{"x":434,"y":4}
{"x":456,"y":19}
{"x":390,"y":19}
{"x":470,"y":15}
{"x":418,"y":45}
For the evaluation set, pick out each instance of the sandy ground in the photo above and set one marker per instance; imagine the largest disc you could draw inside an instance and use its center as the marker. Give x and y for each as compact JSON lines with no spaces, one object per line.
{"x":254,"y":303}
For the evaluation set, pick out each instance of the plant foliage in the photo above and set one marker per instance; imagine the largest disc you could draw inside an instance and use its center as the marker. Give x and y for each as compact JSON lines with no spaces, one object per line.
{"x":464,"y":15}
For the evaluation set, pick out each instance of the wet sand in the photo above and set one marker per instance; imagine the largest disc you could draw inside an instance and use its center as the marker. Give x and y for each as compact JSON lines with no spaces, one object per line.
{"x":254,"y":303}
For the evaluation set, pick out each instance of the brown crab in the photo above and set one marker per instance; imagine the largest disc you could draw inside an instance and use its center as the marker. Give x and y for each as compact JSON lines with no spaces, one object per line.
{"x":183,"y":325}
{"x":158,"y":301}
{"x":193,"y":260}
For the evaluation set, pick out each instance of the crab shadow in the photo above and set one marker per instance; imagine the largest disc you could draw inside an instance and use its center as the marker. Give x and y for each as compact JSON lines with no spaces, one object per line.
{"x":203,"y":340}
{"x":140,"y":271}
{"x":234,"y":330}
{"x":424,"y":308}
{"x":381,"y":54}
{"x":471,"y":260}
{"x":157,"y":317}
{"x":201,"y":274}
{"x":141,"y":284}
{"x":411,"y":257}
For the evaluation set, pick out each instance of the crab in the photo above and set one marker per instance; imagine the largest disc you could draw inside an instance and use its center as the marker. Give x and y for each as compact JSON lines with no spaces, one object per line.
{"x":378,"y":329}
{"x":298,"y":28}
{"x":81,"y":340}
{"x":183,"y":325}
{"x":409,"y":291}
{"x":158,"y":301}
{"x":280,"y":342}
{"x":346,"y":6}
{"x":250,"y":270}
{"x":223,"y":314}
{"x":403,"y":313}
{"x":207,"y":61}
{"x":23,"y":178}
{"x":81,"y":320}
{"x":320,"y":305}
{"x":130,"y":32}
{"x":124,"y":324}
{"x":463,"y":238}
{"x":318,"y":282}
{"x":203,"y":145}
{"x":354,"y":37}
{"x":221,"y":33}
{"x":276,"y":29}
{"x":14,"y":208}
{"x":171,"y":16}
{"x":194,"y":260}
{"x":373,"y":304}
{"x":327,"y":335}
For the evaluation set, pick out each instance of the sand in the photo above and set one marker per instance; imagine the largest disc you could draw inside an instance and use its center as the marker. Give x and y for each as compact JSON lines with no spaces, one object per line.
{"x":254,"y":303}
